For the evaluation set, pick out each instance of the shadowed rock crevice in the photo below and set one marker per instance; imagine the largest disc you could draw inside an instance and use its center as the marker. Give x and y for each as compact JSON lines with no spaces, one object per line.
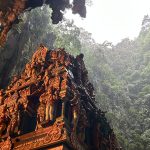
{"x":11,"y":9}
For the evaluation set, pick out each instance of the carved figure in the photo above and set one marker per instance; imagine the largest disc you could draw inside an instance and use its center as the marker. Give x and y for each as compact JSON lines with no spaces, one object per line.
{"x":50,"y":67}
{"x":18,"y":83}
{"x":14,"y":116}
{"x":34,"y":75}
{"x":36,"y":56}
{"x":62,"y":59}
{"x":53,"y":55}
{"x":44,"y":51}
{"x":67,"y":61}
{"x":47,"y":99}
{"x":1,"y":97}
{"x":40,"y":55}
{"x":6,"y":145}
{"x":15,"y":79}
{"x":54,"y":83}
{"x":63,"y":85}
{"x":49,"y":111}
{"x":40,"y":115}
{"x":46,"y":79}
{"x":28,"y":70}
{"x":75,"y":106}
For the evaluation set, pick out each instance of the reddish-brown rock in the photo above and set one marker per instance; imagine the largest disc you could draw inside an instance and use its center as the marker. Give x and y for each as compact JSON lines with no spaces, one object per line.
{"x":11,"y":9}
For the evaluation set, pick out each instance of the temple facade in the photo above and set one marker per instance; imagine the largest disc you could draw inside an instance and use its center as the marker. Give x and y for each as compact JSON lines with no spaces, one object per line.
{"x":51,"y":106}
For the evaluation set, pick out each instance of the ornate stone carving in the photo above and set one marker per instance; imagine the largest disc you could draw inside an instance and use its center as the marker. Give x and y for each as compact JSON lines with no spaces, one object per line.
{"x":50,"y":135}
{"x":40,"y":115}
{"x":6,"y":145}
{"x":48,"y":100}
{"x":3,"y":119}
{"x":54,"y":95}
{"x":1,"y":97}
{"x":14,"y":116}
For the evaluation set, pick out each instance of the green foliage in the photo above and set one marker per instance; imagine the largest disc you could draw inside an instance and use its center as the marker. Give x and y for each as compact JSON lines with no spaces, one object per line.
{"x":120,"y":75}
{"x":121,"y":79}
{"x":67,"y":37}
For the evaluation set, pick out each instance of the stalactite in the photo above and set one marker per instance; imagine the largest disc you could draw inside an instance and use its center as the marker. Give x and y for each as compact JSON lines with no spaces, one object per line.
{"x":11,"y":9}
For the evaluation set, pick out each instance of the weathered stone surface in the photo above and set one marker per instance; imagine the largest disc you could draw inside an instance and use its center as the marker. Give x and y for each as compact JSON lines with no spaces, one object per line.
{"x":10,"y":10}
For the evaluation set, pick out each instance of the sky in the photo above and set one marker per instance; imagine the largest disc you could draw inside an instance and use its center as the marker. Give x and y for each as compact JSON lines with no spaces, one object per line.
{"x":113,"y":20}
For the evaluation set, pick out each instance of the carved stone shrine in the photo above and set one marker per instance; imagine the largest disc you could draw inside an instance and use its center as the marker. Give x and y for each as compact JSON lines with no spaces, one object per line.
{"x":51,"y":106}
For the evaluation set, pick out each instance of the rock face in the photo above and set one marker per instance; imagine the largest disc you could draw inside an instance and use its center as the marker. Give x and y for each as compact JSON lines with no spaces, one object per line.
{"x":52,"y":105}
{"x":10,"y":10}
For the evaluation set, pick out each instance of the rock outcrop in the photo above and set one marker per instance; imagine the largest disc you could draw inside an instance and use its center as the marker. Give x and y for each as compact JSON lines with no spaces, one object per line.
{"x":10,"y":10}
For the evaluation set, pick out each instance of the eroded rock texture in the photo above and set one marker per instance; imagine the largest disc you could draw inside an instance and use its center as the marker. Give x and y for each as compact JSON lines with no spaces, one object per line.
{"x":52,"y":101}
{"x":10,"y":10}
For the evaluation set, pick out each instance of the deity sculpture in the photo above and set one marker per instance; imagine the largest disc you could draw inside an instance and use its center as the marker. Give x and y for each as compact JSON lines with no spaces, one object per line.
{"x":40,"y":115}
{"x":1,"y":97}
{"x":14,"y":80}
{"x":44,"y":51}
{"x":47,"y":99}
{"x":28,"y":70}
{"x":33,"y":74}
{"x":46,"y":79}
{"x":75,"y":106}
{"x":54,"y":55}
{"x":62,"y":59}
{"x":40,"y":55}
{"x":14,"y":116}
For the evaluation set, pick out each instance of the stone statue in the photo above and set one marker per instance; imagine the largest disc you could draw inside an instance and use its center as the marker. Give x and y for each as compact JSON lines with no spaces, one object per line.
{"x":47,"y":99}
{"x":54,"y":55}
{"x":1,"y":97}
{"x":40,"y":55}
{"x":44,"y":51}
{"x":6,"y":145}
{"x":36,"y":56}
{"x":62,"y":59}
{"x":40,"y":115}
{"x":34,"y":75}
{"x":28,"y":70}
{"x":75,"y":106}
{"x":14,"y":116}
{"x":49,"y":106}
{"x":46,"y":79}
{"x":14,"y":80}
{"x":67,"y":61}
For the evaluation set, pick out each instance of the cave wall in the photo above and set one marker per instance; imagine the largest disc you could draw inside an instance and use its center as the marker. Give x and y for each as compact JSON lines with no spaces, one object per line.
{"x":11,"y":9}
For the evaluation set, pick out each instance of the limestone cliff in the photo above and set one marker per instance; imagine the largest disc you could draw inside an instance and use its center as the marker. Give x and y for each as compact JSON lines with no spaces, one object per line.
{"x":11,"y":9}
